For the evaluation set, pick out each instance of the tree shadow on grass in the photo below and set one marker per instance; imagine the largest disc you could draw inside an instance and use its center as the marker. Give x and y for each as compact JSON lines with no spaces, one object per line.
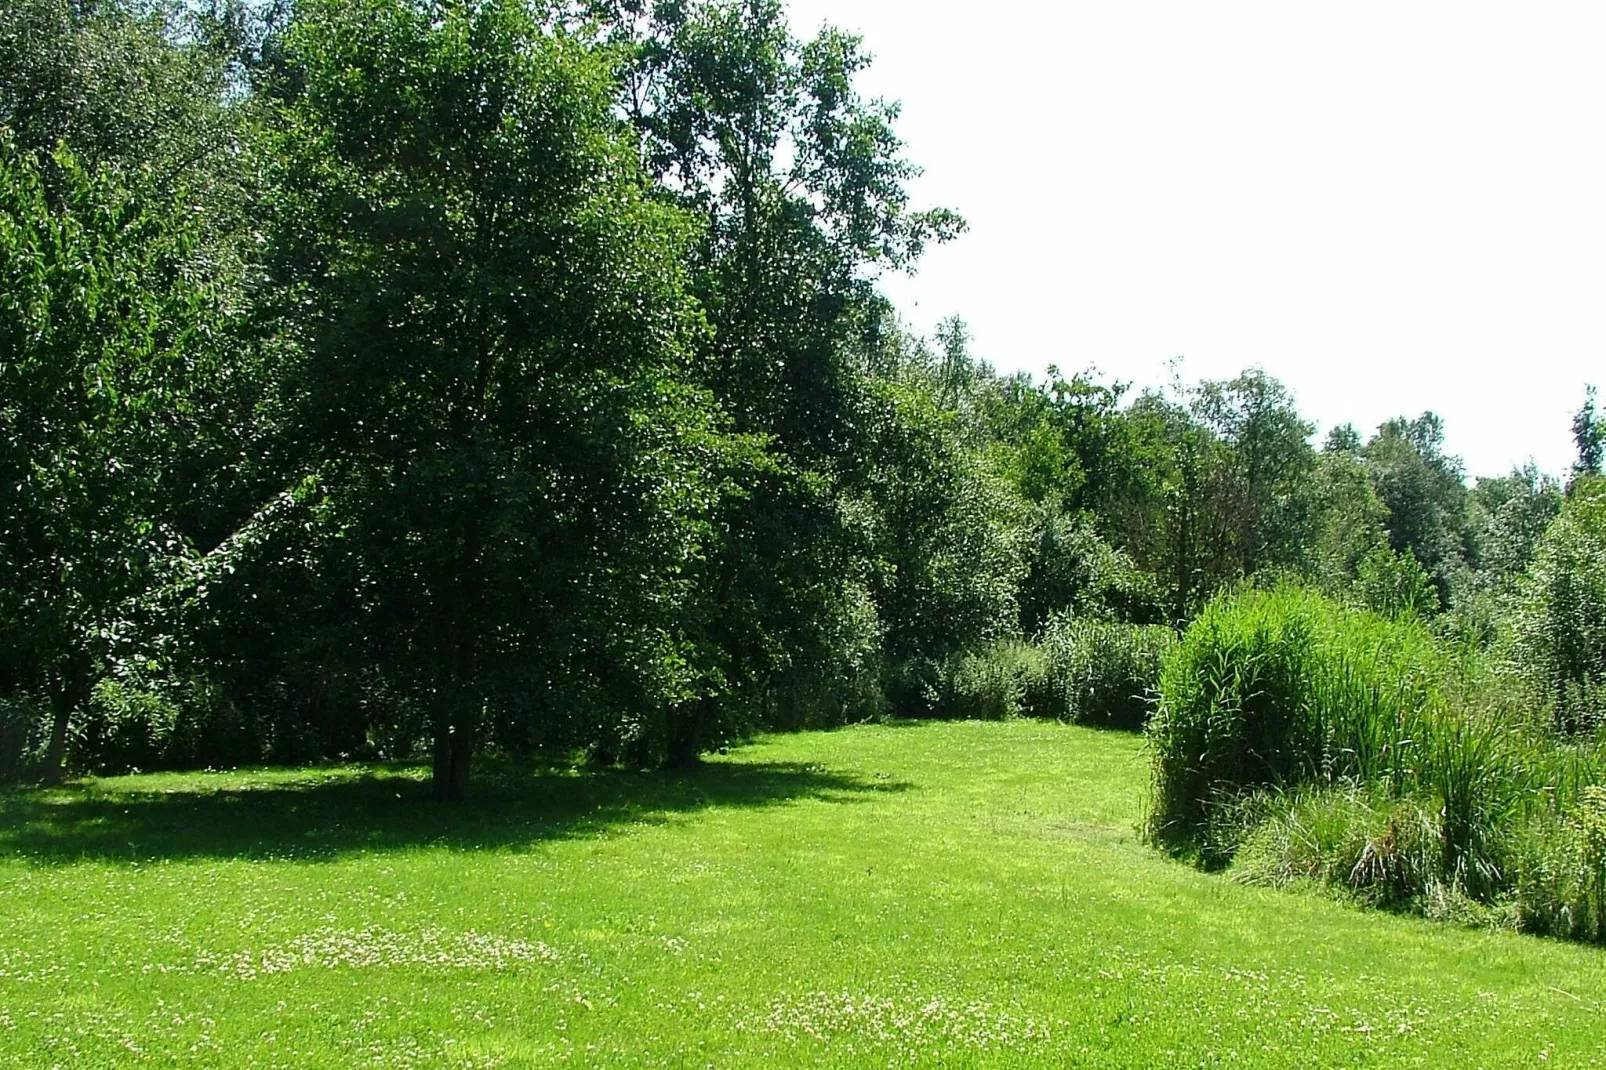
{"x":322,"y":815}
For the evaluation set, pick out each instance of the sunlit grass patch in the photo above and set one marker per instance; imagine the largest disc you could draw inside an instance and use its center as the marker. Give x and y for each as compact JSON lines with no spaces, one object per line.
{"x":952,"y":894}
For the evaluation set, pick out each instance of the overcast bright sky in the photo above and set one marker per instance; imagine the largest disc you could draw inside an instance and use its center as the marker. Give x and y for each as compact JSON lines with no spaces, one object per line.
{"x":1389,"y":206}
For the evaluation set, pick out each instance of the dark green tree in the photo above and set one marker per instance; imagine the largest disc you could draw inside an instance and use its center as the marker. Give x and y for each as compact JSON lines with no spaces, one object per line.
{"x":1427,"y":499}
{"x":140,"y":87}
{"x":493,"y":337}
{"x":1269,"y":466}
{"x":1509,"y":515}
{"x":801,"y":187}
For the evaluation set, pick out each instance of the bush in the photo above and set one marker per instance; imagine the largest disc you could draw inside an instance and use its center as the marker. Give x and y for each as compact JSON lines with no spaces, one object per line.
{"x":1072,"y":570}
{"x":1561,"y":872}
{"x":1007,"y":679}
{"x":1394,"y":585}
{"x":1302,"y":739}
{"x":21,"y":736}
{"x":1285,"y":687}
{"x":139,"y":723}
{"x":1104,"y":673}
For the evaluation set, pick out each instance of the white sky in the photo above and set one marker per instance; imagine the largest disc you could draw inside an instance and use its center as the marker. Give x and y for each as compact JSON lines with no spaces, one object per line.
{"x":1389,"y":206}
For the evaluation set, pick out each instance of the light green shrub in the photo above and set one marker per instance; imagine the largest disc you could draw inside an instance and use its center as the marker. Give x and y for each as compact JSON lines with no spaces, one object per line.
{"x":1285,"y":687}
{"x":1561,"y":872}
{"x":1008,"y":678}
{"x":1395,"y":585}
{"x":1104,"y":673}
{"x":1302,"y":739}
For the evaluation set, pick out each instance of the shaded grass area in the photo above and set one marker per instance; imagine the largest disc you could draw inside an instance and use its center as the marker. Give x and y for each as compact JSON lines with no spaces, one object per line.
{"x":330,"y":813}
{"x":955,"y":894}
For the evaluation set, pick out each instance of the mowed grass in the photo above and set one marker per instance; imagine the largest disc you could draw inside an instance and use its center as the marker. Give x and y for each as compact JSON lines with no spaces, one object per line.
{"x":947,"y":895}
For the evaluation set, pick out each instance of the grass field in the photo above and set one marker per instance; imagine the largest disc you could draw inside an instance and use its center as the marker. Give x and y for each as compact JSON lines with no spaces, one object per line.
{"x":949,"y":894}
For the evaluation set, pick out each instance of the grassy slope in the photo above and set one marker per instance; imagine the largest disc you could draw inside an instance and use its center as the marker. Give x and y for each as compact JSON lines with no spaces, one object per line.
{"x":949,"y":894}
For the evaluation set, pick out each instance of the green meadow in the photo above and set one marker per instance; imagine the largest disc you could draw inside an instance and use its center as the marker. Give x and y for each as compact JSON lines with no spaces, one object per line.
{"x":949,"y":894}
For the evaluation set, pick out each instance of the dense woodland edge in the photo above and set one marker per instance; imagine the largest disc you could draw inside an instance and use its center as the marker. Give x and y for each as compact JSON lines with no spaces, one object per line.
{"x":394,"y":378}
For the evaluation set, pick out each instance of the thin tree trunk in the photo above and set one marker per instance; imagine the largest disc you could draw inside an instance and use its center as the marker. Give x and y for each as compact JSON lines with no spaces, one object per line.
{"x":682,"y":750}
{"x":452,"y":757}
{"x":441,"y":773}
{"x":462,"y":755}
{"x":70,"y":689}
{"x":56,"y":753}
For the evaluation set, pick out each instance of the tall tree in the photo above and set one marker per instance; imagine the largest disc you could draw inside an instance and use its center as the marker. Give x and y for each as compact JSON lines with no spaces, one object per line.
{"x":1589,"y":435}
{"x":1423,"y":488}
{"x":105,"y":332}
{"x":1270,"y":465}
{"x":802,"y":189}
{"x":137,"y":86}
{"x":494,"y":337}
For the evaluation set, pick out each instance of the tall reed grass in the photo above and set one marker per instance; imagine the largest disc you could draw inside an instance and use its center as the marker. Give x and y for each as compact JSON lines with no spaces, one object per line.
{"x":1283,"y":706}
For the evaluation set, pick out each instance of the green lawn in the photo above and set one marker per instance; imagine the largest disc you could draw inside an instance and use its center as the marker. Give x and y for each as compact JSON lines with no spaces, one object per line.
{"x":947,"y":894}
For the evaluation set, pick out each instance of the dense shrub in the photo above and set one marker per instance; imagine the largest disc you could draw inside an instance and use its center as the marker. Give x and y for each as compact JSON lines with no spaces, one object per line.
{"x":179,"y":723}
{"x":1283,"y":687}
{"x":1394,"y":585}
{"x":1104,"y":673}
{"x":1072,"y":569}
{"x":1009,"y":678}
{"x":19,"y":736}
{"x":1302,"y":739}
{"x":1561,"y":872}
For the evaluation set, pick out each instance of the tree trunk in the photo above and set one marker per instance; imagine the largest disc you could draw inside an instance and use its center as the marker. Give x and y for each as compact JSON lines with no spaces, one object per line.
{"x":69,"y":689}
{"x":453,"y":754}
{"x":462,"y":753}
{"x":441,"y":774}
{"x":61,"y":704}
{"x":682,"y":748}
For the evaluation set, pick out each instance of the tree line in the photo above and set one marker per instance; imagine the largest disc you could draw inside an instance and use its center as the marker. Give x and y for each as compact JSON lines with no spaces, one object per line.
{"x":392,"y":377}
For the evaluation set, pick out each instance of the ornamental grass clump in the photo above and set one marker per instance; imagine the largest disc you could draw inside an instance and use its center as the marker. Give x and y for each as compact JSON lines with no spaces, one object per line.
{"x":1282,"y":687}
{"x":1300,"y":739}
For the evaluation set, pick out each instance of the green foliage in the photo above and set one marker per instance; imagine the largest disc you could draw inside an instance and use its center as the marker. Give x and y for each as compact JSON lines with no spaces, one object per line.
{"x":140,"y":721}
{"x":1394,"y":585}
{"x":1351,"y":521}
{"x":1006,"y":679}
{"x":1284,"y":687}
{"x":1304,"y":739}
{"x":1510,"y":514}
{"x":21,"y":735}
{"x":139,"y":88}
{"x":493,"y":377}
{"x":105,"y":334}
{"x":1267,"y":475}
{"x":1561,"y":872}
{"x":1072,"y":569}
{"x":1103,"y":672}
{"x":1561,"y":618}
{"x":493,"y":383}
{"x":1589,"y":435}
{"x":1426,"y":497}
{"x":1385,"y":850}
{"x":945,"y":534}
